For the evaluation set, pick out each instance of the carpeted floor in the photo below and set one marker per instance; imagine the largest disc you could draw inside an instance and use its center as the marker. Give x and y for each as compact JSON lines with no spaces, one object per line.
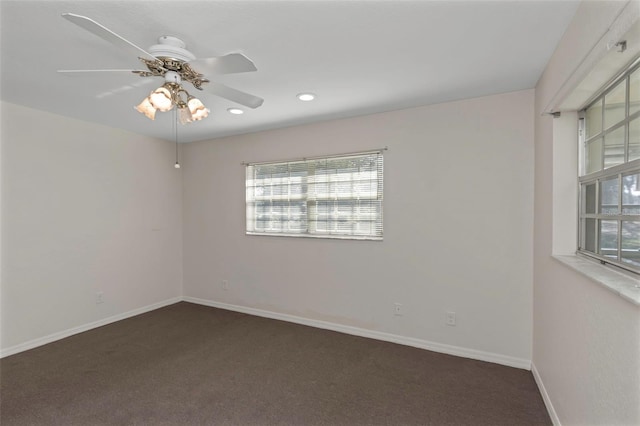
{"x":187,"y":364}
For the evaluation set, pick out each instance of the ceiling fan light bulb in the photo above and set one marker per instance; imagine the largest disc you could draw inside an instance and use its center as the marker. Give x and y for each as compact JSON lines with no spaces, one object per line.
{"x":161,"y":99}
{"x":177,"y":165}
{"x":147,"y":109}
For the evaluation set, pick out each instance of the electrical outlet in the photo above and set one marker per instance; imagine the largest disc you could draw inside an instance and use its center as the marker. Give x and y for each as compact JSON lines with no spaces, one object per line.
{"x":225,"y":285}
{"x":99,"y":297}
{"x":451,"y":319}
{"x":398,"y":310}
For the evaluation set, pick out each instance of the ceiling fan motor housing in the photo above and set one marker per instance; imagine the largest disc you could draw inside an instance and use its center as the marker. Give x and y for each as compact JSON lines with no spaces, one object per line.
{"x":171,"y":48}
{"x":173,"y":63}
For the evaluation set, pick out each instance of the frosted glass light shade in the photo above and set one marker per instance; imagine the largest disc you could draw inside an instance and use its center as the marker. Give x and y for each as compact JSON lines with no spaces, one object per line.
{"x":197,"y":108}
{"x":147,"y":109}
{"x":161,"y":99}
{"x":184,"y":115}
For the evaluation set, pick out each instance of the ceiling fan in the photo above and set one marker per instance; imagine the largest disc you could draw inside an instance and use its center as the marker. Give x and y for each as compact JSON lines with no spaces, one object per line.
{"x":171,"y":60}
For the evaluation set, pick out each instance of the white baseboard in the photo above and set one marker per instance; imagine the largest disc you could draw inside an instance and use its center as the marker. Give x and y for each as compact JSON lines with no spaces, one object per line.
{"x":372,"y":334}
{"x":545,"y":396}
{"x":75,"y":330}
{"x":387,"y":337}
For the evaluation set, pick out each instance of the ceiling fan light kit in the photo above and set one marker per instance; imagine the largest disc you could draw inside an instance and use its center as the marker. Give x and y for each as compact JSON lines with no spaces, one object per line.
{"x":171,"y":95}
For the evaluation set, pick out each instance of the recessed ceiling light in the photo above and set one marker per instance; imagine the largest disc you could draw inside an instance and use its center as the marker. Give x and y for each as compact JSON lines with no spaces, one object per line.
{"x":236,"y":111}
{"x":306,"y":96}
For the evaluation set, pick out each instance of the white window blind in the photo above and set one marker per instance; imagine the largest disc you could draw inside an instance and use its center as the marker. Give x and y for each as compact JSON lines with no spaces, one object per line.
{"x":332,"y":197}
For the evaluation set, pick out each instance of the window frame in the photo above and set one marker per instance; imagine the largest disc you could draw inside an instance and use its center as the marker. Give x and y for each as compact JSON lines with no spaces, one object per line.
{"x":309,"y":196}
{"x":619,"y":172}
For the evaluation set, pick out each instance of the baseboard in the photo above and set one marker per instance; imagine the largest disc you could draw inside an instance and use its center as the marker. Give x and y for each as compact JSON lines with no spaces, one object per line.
{"x":356,"y":331}
{"x":387,"y":337}
{"x":545,"y":396}
{"x":75,"y":330}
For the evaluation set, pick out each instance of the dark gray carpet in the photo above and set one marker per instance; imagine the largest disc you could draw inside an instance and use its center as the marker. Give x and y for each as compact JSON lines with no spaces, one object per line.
{"x":188,"y":364}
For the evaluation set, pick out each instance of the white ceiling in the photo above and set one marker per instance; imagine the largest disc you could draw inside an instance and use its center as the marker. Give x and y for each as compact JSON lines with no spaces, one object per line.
{"x":359,"y":57}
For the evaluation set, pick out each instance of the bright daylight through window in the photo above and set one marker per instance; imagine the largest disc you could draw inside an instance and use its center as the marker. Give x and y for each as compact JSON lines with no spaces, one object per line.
{"x":610,"y":174}
{"x":333,"y":197}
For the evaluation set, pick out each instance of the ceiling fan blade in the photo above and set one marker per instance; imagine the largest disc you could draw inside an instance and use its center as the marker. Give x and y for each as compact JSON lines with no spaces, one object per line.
{"x":234,"y":95}
{"x":106,"y":34}
{"x":96,"y":71}
{"x":227,"y":64}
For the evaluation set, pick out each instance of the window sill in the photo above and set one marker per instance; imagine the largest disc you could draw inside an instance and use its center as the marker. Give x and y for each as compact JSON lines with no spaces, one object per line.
{"x":626,"y":286}
{"x":322,"y":236}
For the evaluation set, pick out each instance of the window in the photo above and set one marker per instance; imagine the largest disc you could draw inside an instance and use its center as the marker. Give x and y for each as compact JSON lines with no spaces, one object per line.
{"x":609,"y":213}
{"x":334,"y":197}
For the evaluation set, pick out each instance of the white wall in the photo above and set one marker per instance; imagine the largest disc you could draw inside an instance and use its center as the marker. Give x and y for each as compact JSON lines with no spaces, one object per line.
{"x":586,"y":339}
{"x":86,"y":208}
{"x":457,"y":215}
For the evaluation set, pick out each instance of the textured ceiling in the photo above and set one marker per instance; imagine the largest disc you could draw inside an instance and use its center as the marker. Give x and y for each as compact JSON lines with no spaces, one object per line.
{"x":359,"y":57}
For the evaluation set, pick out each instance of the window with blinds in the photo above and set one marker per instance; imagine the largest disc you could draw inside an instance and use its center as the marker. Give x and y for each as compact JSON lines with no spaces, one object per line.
{"x":332,"y":197}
